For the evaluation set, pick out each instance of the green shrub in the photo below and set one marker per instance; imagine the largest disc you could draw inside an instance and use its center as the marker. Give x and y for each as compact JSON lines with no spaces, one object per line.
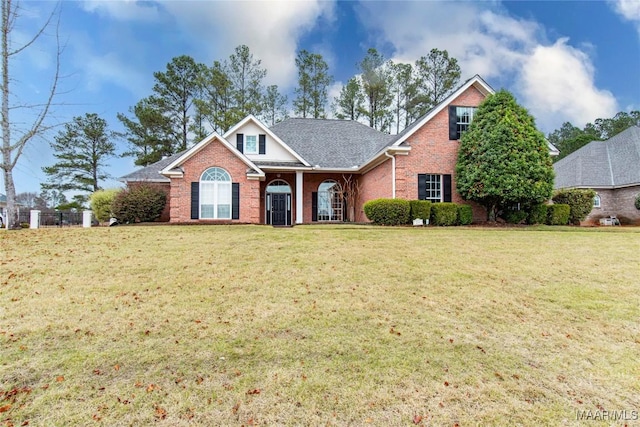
{"x":514,"y":216}
{"x":420,"y":209}
{"x":537,"y":214}
{"x":580,"y":203}
{"x":444,"y":213}
{"x":558,"y":214}
{"x":638,"y":202}
{"x":101,"y":202}
{"x":388,"y":211}
{"x":465,"y":214}
{"x":141,"y":203}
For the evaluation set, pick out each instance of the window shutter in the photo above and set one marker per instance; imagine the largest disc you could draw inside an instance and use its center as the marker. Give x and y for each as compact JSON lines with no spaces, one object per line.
{"x":235,"y":200}
{"x":453,"y":123}
{"x":446,"y":188}
{"x":314,"y":206}
{"x":262,"y":144}
{"x":195,"y":200}
{"x":240,"y":142}
{"x":422,"y":186}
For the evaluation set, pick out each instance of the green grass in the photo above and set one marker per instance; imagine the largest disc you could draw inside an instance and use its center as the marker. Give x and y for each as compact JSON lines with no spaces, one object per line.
{"x":313,"y":325}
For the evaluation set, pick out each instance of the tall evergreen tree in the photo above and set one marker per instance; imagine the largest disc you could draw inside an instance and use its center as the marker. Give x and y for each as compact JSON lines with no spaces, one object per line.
{"x":403,"y":89}
{"x":350,"y":102}
{"x":275,"y":106}
{"x":175,"y":90}
{"x":149,"y":133}
{"x":216,"y":101}
{"x":81,"y":150}
{"x":313,"y":82}
{"x":503,"y":159}
{"x":246,"y":74}
{"x":437,"y":76}
{"x":376,"y":87}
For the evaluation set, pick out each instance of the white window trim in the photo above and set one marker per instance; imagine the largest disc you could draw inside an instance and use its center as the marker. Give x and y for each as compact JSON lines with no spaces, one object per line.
{"x":472,"y":113}
{"x":432,"y":200}
{"x":257,"y":149}
{"x":215,"y":190}
{"x":597,"y":201}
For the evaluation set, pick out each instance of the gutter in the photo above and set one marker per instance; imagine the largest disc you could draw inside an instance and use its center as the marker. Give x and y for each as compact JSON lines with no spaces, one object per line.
{"x":393,"y":174}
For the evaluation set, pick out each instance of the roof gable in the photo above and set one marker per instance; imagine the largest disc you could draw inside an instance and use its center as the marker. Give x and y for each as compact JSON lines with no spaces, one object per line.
{"x":476,"y":81}
{"x":252,"y":123}
{"x":172,"y":169}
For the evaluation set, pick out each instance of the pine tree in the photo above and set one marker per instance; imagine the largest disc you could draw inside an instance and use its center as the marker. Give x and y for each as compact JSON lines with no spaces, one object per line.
{"x":81,"y":150}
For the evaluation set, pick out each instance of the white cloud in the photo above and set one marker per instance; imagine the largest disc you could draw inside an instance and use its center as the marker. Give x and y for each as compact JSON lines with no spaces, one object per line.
{"x":629,"y":10}
{"x":270,"y":29}
{"x":123,"y":10}
{"x":556,"y":83}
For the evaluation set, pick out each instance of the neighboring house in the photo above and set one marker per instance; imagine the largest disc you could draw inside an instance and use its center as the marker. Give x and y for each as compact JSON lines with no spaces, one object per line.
{"x":612,"y":169}
{"x":299,"y":170}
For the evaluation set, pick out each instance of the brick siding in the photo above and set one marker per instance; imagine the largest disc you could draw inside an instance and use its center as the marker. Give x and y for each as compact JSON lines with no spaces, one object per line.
{"x":214,"y":154}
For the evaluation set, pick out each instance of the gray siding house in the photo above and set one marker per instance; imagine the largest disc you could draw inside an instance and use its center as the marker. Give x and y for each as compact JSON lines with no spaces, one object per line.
{"x":612,"y":169}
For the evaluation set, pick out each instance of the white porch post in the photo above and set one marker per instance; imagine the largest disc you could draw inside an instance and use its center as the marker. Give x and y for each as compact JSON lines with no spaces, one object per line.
{"x":34,"y":219}
{"x":86,"y":218}
{"x":298,"y":197}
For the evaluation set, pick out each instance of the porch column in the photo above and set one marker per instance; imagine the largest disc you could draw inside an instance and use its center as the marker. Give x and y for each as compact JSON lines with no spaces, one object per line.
{"x":299,"y":197}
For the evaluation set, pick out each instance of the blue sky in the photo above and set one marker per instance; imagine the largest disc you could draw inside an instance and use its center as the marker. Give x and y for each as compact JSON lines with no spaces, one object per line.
{"x":564,"y":61}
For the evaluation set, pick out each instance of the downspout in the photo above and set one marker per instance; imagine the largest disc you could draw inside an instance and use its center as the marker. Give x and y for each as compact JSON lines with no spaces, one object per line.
{"x":393,"y":174}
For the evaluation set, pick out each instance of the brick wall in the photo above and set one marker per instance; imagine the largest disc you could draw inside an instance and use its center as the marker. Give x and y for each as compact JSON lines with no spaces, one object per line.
{"x":432,"y":152}
{"x":616,"y":202}
{"x":375,"y":184}
{"x":214,"y":154}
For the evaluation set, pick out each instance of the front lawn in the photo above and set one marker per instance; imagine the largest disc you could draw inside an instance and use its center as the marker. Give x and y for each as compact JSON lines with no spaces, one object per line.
{"x":318,"y":325}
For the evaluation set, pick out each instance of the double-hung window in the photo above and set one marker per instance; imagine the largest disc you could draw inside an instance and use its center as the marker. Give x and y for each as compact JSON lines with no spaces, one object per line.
{"x":434,"y":187}
{"x":251,"y":144}
{"x":460,"y":119}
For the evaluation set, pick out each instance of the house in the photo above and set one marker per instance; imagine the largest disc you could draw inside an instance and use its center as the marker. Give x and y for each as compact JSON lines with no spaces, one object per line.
{"x":612,"y":169}
{"x":315,"y":170}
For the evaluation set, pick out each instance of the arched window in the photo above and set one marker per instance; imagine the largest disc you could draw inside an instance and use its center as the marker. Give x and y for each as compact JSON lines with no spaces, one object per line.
{"x":596,"y":201}
{"x":215,"y":194}
{"x":330,"y":201}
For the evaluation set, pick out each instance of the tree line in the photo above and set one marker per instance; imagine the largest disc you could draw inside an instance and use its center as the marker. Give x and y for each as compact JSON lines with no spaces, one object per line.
{"x":569,"y":138}
{"x":190,"y":99}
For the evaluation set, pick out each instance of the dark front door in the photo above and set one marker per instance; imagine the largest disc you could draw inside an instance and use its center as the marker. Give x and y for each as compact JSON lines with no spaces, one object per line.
{"x":279,"y":209}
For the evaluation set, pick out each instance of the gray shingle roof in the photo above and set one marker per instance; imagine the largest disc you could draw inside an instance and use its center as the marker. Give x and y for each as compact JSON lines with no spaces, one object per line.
{"x":152,"y":172}
{"x":611,"y":163}
{"x":331,"y":143}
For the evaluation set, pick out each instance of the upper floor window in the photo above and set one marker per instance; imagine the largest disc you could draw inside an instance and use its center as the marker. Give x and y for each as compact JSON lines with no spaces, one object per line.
{"x":459,"y":120}
{"x":251,"y":144}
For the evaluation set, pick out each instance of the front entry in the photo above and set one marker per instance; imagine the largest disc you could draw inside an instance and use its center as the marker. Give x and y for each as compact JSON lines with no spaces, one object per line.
{"x":279,"y":209}
{"x":278,"y":206}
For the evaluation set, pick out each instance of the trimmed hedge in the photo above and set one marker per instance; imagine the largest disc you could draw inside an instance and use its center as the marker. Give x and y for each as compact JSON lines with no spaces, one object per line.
{"x":514,"y":216}
{"x":388,"y":211}
{"x":445,"y":213}
{"x":101,"y":202}
{"x":558,"y":214}
{"x":580,"y":203}
{"x":537,"y":214}
{"x":142,"y":203}
{"x":465,"y":214}
{"x":420,"y":209}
